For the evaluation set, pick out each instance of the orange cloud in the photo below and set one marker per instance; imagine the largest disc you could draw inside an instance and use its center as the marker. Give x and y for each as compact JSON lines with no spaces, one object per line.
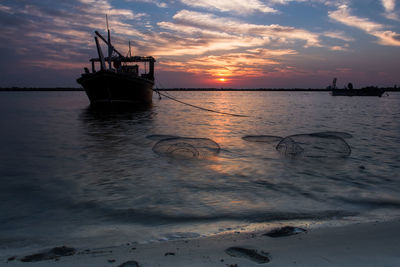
{"x":251,"y":63}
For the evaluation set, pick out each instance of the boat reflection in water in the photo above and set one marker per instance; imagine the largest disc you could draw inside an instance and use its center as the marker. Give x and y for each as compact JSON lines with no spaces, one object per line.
{"x":113,"y":143}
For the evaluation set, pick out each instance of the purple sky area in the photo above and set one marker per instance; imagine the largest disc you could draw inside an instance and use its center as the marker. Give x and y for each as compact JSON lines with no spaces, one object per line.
{"x":207,"y":43}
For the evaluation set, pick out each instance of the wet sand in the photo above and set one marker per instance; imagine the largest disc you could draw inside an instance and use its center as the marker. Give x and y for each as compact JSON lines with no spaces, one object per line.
{"x":370,"y":244}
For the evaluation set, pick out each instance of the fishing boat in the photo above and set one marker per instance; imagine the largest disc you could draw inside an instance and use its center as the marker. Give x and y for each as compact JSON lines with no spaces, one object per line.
{"x":367,"y":91}
{"x":119,"y":80}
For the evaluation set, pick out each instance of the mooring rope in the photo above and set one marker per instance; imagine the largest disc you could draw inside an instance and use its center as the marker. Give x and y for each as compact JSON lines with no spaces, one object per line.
{"x":194,"y":106}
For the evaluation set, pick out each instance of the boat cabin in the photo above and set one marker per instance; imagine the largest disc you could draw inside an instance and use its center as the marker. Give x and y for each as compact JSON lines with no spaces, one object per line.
{"x":121,"y":64}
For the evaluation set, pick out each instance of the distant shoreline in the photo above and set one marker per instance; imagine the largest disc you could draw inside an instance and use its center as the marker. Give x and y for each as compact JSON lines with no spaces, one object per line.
{"x":62,"y":89}
{"x":38,"y":89}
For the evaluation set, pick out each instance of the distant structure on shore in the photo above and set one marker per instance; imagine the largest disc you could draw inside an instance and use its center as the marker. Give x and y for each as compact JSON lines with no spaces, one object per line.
{"x":350,"y":91}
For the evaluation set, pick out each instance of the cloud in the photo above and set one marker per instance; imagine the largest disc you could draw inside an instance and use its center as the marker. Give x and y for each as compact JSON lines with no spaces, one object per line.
{"x":324,"y":2}
{"x":5,"y":9}
{"x":155,"y":2}
{"x":339,"y":48}
{"x":237,"y":6}
{"x":385,"y":37}
{"x":273,"y":33}
{"x":250,"y":63}
{"x":338,"y":35}
{"x":211,"y":45}
{"x":389,"y":6}
{"x":250,"y":6}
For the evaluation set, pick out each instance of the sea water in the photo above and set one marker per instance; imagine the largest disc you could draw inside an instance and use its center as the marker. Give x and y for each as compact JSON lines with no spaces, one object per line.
{"x":71,"y":175}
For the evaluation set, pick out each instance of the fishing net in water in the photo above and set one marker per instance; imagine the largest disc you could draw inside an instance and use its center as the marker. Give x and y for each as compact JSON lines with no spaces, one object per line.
{"x":329,"y":144}
{"x":270,"y":139}
{"x":185,"y":147}
{"x":315,"y":145}
{"x":158,"y":137}
{"x":333,"y":133}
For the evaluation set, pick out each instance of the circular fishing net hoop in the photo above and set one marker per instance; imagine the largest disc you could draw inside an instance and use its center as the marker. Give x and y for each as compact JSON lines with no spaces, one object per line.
{"x":185,"y":147}
{"x":314,"y":145}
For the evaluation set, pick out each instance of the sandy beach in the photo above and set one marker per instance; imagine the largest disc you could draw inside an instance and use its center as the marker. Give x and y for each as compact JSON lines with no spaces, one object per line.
{"x":369,"y":244}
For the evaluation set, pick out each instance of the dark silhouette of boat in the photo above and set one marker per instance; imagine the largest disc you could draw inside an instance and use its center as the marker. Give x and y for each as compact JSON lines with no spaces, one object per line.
{"x":367,"y":91}
{"x":118,"y":82}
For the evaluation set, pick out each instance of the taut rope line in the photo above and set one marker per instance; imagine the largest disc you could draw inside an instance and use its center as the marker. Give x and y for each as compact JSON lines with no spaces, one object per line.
{"x":194,"y":106}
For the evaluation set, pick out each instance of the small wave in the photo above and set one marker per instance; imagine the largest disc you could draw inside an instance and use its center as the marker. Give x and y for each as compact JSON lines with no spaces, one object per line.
{"x":148,"y":217}
{"x":286,"y":188}
{"x":372,"y":202}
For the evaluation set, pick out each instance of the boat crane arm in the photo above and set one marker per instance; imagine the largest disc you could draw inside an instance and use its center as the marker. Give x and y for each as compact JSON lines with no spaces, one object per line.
{"x":101,"y":57}
{"x":121,"y":57}
{"x":105,"y":41}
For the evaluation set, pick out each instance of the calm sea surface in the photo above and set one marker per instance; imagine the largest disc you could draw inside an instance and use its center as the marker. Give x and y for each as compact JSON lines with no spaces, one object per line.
{"x":71,"y":175}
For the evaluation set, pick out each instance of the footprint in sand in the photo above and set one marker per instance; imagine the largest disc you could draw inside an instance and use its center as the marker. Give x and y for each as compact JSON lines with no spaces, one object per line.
{"x":285,"y":231}
{"x":51,"y":254}
{"x":250,"y":254}
{"x":129,"y":264}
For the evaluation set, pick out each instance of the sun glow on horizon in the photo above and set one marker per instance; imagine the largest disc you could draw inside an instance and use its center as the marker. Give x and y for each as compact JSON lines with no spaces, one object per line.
{"x":222,"y":80}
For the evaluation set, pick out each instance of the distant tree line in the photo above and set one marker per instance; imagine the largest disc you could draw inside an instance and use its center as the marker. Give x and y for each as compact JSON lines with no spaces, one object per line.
{"x":40,"y":89}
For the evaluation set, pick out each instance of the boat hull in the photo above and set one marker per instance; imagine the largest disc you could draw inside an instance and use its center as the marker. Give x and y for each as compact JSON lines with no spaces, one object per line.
{"x":111,"y":88}
{"x":358,"y":92}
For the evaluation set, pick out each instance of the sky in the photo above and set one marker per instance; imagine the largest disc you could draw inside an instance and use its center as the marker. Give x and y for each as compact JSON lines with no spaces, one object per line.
{"x":207,"y":43}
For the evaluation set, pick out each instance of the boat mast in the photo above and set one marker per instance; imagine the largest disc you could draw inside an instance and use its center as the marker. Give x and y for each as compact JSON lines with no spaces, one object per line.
{"x":334,"y":83}
{"x":110,"y":48}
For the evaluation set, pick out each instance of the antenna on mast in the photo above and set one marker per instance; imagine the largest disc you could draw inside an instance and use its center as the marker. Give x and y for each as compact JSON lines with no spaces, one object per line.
{"x":334,"y":83}
{"x":110,"y":48}
{"x":130,"y":54}
{"x":107,"y":22}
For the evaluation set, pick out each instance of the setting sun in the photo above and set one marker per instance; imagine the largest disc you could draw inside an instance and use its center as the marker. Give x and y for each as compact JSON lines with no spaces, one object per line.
{"x":222,"y":79}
